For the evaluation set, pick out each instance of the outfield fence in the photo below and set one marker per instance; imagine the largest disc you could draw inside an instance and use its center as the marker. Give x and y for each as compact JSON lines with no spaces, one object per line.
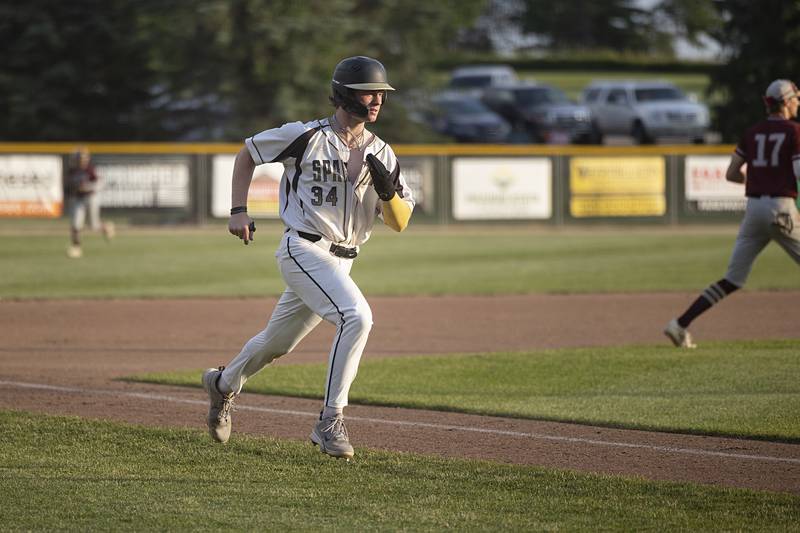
{"x":557,"y":185}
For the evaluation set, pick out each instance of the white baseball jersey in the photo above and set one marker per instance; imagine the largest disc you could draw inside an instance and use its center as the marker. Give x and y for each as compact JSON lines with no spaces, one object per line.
{"x":316,"y":195}
{"x":326,"y":190}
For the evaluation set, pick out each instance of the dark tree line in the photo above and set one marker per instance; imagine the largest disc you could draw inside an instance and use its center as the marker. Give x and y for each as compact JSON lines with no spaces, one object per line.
{"x":222,"y":69}
{"x":204,"y":69}
{"x":620,"y":26}
{"x":761,"y":39}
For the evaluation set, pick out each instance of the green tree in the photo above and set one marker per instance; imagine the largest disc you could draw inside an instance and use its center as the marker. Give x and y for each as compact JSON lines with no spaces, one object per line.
{"x":285,"y":62}
{"x":234,"y":67}
{"x":618,"y":25}
{"x":72,"y":70}
{"x":689,"y":19}
{"x":207,"y":69}
{"x":761,"y":41}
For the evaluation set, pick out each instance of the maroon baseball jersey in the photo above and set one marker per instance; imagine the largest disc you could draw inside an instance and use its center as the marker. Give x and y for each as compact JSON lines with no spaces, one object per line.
{"x":770,"y":147}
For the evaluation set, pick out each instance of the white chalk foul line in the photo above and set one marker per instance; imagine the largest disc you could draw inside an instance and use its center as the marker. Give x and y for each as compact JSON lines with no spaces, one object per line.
{"x":405,"y":423}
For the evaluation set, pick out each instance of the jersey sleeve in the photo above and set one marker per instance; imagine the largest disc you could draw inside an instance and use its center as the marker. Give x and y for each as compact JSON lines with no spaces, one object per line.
{"x":272,"y":146}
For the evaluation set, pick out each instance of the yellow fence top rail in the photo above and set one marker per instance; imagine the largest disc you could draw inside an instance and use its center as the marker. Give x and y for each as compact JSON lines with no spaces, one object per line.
{"x":400,"y":149}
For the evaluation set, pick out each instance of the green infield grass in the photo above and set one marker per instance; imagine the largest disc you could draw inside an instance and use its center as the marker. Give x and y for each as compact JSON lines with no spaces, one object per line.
{"x":69,"y":474}
{"x":747,"y":389}
{"x":181,"y":262}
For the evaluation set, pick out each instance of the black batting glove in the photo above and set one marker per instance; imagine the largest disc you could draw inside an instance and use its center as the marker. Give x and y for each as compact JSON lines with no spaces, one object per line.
{"x":381,"y":179}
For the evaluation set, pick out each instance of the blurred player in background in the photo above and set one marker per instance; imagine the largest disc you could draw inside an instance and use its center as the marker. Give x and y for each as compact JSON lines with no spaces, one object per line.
{"x":767,"y":161}
{"x":81,"y":185}
{"x":338,"y":179}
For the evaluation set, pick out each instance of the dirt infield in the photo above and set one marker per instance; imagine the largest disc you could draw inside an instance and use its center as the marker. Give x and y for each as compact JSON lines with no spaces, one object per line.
{"x":62,"y":357}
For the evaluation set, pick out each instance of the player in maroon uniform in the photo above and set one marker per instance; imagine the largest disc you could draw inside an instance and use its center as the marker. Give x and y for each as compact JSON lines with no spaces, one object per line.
{"x":767,"y":161}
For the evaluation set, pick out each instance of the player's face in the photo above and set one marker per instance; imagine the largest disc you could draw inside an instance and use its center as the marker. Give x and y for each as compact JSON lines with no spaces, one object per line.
{"x":373,"y":101}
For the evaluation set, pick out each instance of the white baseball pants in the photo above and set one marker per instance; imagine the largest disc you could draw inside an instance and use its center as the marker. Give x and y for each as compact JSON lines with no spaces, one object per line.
{"x":765,"y":219}
{"x":78,"y":207}
{"x":319,"y":287}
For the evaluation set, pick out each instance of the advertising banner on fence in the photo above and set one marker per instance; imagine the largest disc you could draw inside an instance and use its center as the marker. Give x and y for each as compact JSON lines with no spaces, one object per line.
{"x":502,"y":188}
{"x":617,"y":187}
{"x":263,"y":195}
{"x":30,"y":186}
{"x":134,"y":182}
{"x":707,"y":190}
{"x":418,"y":172}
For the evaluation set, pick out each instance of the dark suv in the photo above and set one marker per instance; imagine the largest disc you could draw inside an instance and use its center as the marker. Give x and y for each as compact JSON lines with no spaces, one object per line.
{"x":467,"y":119}
{"x":541,"y":113}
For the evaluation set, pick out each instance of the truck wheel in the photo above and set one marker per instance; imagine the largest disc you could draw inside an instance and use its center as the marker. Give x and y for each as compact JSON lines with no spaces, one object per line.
{"x":639,"y":134}
{"x":595,"y":135}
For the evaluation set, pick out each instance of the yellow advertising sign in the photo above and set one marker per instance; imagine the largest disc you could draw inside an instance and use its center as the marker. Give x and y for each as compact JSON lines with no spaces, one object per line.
{"x":617,"y":186}
{"x":618,"y":206}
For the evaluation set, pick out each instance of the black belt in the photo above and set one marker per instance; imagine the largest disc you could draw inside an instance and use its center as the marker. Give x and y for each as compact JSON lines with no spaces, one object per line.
{"x":768,"y":195}
{"x":338,"y":251}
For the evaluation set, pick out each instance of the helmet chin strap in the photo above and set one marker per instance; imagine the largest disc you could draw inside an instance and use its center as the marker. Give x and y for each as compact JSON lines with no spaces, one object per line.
{"x":349,"y":103}
{"x":356,"y":108}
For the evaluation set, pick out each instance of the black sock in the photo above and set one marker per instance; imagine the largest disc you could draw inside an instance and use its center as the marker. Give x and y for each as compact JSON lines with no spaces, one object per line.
{"x":713,"y":294}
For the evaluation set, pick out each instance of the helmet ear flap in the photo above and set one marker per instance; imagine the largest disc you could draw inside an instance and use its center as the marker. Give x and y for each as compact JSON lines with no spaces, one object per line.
{"x":345,"y":98}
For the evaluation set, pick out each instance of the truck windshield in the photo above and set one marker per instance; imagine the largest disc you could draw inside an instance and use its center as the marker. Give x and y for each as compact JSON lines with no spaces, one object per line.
{"x":653,"y":94}
{"x":467,"y":82}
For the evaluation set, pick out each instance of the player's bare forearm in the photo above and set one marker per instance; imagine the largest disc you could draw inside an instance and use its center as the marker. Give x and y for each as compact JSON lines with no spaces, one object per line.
{"x":736,"y":172}
{"x":243,"y":168}
{"x":240,"y":224}
{"x":736,"y":176}
{"x":396,"y":213}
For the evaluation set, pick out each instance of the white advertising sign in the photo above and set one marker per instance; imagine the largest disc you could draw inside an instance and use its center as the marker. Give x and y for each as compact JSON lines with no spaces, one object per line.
{"x":418,"y":173}
{"x":262,"y":197}
{"x":30,"y":186}
{"x":156,"y":184}
{"x":502,"y":188}
{"x":707,"y":188}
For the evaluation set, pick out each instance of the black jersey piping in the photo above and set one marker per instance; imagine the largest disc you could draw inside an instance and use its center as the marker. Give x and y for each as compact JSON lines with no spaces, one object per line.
{"x":253,"y":141}
{"x":296,"y":150}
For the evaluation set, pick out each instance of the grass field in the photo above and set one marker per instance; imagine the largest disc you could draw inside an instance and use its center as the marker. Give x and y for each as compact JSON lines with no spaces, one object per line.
{"x":66,"y":474}
{"x":69,"y":474}
{"x":209,"y":262}
{"x":573,"y":82}
{"x":733,"y":389}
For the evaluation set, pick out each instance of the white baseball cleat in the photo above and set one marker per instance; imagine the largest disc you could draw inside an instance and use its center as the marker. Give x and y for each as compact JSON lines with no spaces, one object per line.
{"x":679,"y":336}
{"x":219,"y":410}
{"x":74,"y":252}
{"x":330,"y":434}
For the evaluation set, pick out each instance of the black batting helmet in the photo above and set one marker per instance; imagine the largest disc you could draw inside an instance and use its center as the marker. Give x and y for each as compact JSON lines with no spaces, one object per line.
{"x":358,"y":73}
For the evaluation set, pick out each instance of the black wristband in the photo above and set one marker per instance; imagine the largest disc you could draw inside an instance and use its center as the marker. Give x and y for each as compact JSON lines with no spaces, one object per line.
{"x":238,"y":209}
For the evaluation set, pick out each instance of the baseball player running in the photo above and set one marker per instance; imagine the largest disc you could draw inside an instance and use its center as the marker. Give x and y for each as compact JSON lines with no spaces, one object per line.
{"x":767,"y":161}
{"x":338,"y":178}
